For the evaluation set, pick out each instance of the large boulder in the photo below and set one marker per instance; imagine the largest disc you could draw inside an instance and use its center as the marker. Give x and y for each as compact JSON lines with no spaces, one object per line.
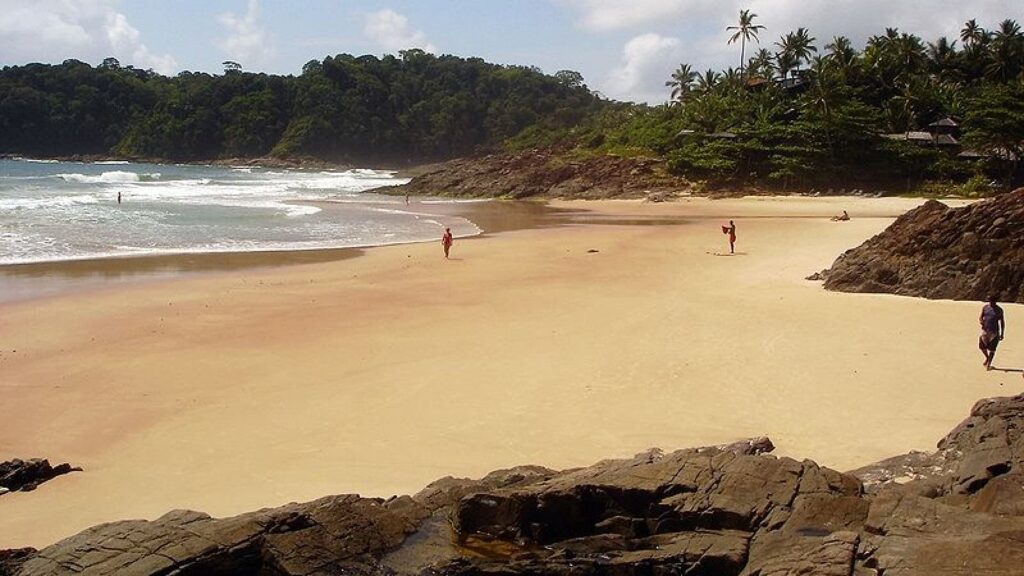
{"x":936,"y":251}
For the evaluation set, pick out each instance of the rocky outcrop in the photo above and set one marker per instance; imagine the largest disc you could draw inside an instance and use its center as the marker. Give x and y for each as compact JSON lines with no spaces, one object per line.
{"x":936,"y":251}
{"x":26,"y":475}
{"x":545,"y":173}
{"x":730,"y":510}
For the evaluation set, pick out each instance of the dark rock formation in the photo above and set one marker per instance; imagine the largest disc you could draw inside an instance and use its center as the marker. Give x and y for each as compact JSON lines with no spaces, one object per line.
{"x":728,"y":510}
{"x":545,"y":174}
{"x":26,"y":475}
{"x":939,"y":252}
{"x":11,"y":560}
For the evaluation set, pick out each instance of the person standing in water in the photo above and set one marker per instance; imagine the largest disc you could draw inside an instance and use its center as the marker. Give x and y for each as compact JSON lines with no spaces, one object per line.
{"x":118,"y":197}
{"x":446,"y":241}
{"x":731,"y":231}
{"x":993,"y":328}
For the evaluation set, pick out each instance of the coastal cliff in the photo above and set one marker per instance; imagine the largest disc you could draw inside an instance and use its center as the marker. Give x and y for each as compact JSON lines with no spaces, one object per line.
{"x":726,"y":510}
{"x":936,"y":251}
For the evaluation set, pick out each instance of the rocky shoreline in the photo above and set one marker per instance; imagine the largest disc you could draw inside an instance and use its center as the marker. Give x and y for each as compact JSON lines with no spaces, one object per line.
{"x":26,"y":475}
{"x":726,"y":510}
{"x":935,"y":251}
{"x":546,"y":173}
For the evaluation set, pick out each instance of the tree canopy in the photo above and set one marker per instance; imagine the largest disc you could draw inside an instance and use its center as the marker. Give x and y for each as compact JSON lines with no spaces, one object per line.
{"x":415,"y":106}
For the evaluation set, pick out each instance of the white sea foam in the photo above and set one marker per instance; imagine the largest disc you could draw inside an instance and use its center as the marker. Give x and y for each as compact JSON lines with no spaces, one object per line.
{"x":37,"y":160}
{"x":117,"y":176}
{"x":113,"y":163}
{"x":56,"y":201}
{"x":69,"y":211}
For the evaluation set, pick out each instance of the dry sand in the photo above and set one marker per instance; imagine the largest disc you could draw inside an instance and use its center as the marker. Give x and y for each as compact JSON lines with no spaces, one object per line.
{"x":248,"y":388}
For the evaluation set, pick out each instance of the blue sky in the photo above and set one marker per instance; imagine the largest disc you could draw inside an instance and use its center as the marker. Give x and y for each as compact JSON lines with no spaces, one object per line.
{"x":625,"y":49}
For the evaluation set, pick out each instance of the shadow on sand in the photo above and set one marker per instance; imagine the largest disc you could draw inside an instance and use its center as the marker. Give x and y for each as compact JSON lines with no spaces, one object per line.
{"x":1016,"y":370}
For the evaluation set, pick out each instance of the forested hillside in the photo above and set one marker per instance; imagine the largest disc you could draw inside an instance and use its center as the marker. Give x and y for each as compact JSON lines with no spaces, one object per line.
{"x":895,"y":114}
{"x":413,"y":107}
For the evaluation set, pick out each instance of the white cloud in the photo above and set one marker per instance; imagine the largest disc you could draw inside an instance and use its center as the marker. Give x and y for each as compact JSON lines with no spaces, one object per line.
{"x":647,"y":60}
{"x":854,"y":18}
{"x":606,"y":15}
{"x":88,"y":30}
{"x":247,"y":41}
{"x":391,"y":31}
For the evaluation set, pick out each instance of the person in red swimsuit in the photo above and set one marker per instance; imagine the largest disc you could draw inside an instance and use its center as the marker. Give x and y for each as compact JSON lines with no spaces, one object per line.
{"x":446,"y":241}
{"x":731,"y":231}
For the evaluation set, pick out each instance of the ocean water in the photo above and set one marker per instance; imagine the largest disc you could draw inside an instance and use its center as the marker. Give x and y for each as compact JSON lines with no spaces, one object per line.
{"x":52,"y":211}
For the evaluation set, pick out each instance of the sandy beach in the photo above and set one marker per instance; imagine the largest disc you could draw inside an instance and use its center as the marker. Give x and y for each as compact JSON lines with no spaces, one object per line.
{"x":560,"y":345}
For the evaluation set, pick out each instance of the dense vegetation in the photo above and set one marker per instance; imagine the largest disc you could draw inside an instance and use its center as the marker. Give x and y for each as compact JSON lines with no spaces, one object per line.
{"x":416,"y":106}
{"x":799,"y":117}
{"x":791,"y":117}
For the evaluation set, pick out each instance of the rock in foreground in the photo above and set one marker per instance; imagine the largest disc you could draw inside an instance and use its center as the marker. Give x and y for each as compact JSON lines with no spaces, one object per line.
{"x":723,"y":511}
{"x":936,"y":251}
{"x":26,"y":475}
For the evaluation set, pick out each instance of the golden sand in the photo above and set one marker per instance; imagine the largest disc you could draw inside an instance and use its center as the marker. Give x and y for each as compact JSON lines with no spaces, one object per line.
{"x":559,"y":346}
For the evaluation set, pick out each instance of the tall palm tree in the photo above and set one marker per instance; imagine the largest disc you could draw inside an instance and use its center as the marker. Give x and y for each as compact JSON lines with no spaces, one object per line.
{"x":746,"y":30}
{"x":681,"y":82}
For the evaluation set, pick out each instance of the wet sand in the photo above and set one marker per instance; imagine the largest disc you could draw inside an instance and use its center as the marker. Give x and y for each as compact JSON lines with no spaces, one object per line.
{"x":584,"y":338}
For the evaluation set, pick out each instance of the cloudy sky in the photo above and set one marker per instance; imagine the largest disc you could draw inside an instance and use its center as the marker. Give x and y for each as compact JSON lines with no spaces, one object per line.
{"x":626,"y":49}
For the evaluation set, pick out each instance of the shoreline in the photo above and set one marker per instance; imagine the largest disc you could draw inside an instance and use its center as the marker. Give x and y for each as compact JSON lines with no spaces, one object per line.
{"x":557,"y":345}
{"x":401,"y":170}
{"x":19,"y":281}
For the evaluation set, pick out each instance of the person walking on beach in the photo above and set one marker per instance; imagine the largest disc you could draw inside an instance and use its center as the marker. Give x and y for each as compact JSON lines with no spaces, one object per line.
{"x":446,"y":241}
{"x":993,"y":328}
{"x":731,"y":231}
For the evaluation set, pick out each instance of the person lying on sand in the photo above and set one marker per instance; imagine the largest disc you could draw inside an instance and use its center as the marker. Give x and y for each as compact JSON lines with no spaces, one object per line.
{"x":841,"y":217}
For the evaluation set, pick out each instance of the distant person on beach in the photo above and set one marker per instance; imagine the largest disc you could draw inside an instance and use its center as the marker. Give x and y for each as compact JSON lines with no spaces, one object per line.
{"x":446,"y":241}
{"x":407,"y":199}
{"x":842,"y":217}
{"x":118,"y":197}
{"x":731,"y":231}
{"x":993,"y":328}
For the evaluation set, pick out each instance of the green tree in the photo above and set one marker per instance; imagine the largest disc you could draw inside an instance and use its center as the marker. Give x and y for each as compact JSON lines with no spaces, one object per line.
{"x":681,"y":82}
{"x":745,"y":31}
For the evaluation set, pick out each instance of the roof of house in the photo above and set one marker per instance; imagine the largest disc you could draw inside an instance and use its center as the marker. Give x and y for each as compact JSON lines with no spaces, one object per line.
{"x":944,"y":123}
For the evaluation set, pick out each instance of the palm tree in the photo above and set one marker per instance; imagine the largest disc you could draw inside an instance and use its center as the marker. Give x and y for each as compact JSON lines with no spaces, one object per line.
{"x":1006,"y":58}
{"x":731,"y":78}
{"x":681,"y":82}
{"x":761,"y":63}
{"x":799,"y":45}
{"x":785,"y":62}
{"x":746,"y":30}
{"x":842,"y":53}
{"x":910,"y":53}
{"x":972,"y":34}
{"x":942,"y":58}
{"x":707,"y":81}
